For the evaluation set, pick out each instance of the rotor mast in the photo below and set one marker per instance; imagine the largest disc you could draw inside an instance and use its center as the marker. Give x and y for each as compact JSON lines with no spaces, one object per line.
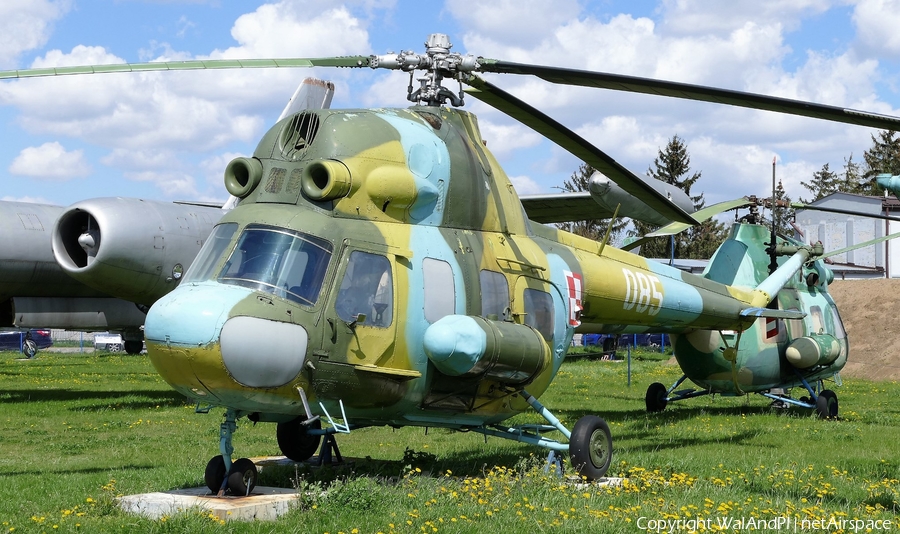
{"x":438,"y":62}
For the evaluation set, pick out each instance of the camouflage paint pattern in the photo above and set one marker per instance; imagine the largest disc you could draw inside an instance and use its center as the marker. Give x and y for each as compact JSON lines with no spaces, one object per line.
{"x":418,"y":188}
{"x":760,"y":362}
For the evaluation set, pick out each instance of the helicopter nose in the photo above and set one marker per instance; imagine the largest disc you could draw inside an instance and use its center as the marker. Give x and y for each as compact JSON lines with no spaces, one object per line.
{"x":199,"y":347}
{"x":192,"y":315}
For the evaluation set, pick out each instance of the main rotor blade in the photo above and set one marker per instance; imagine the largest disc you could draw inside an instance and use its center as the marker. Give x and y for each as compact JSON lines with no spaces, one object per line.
{"x":688,"y":91}
{"x":799,"y":206}
{"x":199,"y":64}
{"x":860,"y":245}
{"x":577,"y":146}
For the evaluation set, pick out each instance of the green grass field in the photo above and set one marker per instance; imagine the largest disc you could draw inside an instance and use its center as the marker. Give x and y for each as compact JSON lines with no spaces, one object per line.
{"x":78,"y":430}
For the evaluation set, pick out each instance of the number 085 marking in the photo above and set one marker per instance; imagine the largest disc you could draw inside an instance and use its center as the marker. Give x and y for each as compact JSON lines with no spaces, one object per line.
{"x":641,"y":291}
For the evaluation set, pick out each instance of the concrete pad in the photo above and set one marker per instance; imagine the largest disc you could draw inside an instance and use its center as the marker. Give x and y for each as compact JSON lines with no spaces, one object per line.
{"x":264,"y":504}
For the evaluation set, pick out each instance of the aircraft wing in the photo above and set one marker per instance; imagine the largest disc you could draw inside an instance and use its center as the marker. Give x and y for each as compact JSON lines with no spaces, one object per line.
{"x":603,"y":199}
{"x":563,"y":207}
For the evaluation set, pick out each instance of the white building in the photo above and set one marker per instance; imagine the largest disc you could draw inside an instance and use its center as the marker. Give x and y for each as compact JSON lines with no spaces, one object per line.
{"x":840,"y":230}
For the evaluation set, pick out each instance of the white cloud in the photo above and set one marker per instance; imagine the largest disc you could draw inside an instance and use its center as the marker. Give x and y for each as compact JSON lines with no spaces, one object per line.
{"x":213,"y":169}
{"x":744,"y":46}
{"x":502,"y":140}
{"x":713,"y":16}
{"x":518,"y":22}
{"x":50,"y":161}
{"x":26,"y":25}
{"x":877,"y":23}
{"x":173,"y":184}
{"x":142,"y":116}
{"x":29,"y":199}
{"x":526,"y":186}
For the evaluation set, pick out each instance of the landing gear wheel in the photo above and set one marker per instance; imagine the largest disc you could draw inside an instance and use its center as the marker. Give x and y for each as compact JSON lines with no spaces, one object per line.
{"x":590,"y":447}
{"x":243,"y":477}
{"x":133,"y":346}
{"x":656,"y":397}
{"x":215,"y":473}
{"x":29,"y":348}
{"x":294,"y":440}
{"x":827,"y":404}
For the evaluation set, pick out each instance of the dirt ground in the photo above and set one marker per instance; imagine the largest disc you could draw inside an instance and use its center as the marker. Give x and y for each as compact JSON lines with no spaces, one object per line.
{"x":869,"y":309}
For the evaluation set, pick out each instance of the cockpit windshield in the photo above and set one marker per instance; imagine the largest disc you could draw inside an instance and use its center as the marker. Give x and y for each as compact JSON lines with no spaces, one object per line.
{"x":287,"y":264}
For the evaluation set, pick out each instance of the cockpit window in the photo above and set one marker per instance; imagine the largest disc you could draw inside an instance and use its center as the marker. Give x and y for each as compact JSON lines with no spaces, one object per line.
{"x":287,"y":264}
{"x":211,"y":252}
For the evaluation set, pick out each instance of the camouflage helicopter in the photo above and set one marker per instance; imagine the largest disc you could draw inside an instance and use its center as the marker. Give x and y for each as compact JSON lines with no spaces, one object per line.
{"x":380,"y":270}
{"x":773,"y":354}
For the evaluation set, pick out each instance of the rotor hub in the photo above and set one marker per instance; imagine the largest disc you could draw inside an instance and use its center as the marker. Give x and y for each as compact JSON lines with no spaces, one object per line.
{"x":438,"y":62}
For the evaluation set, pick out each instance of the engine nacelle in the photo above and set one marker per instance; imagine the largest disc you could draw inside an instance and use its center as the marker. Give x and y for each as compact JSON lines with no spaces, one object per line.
{"x":464,"y":345}
{"x":129,"y":248}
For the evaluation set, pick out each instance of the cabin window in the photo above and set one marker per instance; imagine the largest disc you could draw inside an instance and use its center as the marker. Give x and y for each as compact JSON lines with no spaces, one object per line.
{"x":817,"y":319}
{"x":838,"y":324}
{"x":367,"y":288}
{"x":288,"y":264}
{"x":539,"y":311}
{"x":210,"y":253}
{"x":439,"y":290}
{"x":494,"y":295}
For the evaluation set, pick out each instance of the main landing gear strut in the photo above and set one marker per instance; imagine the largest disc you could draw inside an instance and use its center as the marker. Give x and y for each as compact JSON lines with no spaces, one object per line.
{"x":590,"y":442}
{"x":589,"y":446}
{"x":823,"y":401}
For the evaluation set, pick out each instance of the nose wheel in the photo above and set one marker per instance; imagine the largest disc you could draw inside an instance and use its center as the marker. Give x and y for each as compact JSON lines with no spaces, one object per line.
{"x":238,"y":477}
{"x":241,"y":481}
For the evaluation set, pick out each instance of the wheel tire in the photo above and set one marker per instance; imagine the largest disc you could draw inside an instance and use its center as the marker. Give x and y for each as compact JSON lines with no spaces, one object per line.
{"x":134,"y":346}
{"x":656,"y":397}
{"x":113,"y":347}
{"x":827,"y":404}
{"x":590,"y":447}
{"x":29,"y":348}
{"x":242,"y":478}
{"x":294,"y":440}
{"x":215,"y":473}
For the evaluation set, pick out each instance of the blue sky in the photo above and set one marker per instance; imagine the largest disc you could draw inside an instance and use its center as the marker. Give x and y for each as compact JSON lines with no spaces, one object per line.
{"x":169,"y":136}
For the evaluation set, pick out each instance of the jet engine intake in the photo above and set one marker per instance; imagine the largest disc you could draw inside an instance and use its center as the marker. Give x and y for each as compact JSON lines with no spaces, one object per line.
{"x":129,"y":248}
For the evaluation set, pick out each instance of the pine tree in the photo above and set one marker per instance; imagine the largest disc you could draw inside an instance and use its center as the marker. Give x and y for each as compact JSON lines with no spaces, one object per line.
{"x":883,"y":157}
{"x":824,"y":182}
{"x":851,"y":181}
{"x":592,"y":228}
{"x":673,"y":166}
